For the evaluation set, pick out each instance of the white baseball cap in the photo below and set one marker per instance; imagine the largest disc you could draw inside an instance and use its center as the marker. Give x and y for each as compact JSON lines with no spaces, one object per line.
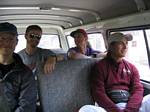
{"x":116,"y":37}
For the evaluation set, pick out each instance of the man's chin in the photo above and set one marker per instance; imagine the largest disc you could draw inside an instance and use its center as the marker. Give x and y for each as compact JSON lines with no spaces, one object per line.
{"x":6,"y":53}
{"x":34,"y":46}
{"x":123,"y":55}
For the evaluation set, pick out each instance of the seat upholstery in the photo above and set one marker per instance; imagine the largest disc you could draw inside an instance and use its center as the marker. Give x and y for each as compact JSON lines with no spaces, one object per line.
{"x":67,"y":88}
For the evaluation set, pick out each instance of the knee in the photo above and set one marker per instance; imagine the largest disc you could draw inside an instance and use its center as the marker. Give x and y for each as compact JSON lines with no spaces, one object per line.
{"x":85,"y":108}
{"x":91,"y":108}
{"x":145,"y":104}
{"x":146,"y":98}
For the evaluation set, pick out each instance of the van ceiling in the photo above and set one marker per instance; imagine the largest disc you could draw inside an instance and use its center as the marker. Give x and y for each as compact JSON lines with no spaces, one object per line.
{"x":67,"y":13}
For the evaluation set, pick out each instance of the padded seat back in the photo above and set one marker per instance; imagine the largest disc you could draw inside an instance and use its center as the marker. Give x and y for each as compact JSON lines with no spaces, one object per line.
{"x":67,"y":88}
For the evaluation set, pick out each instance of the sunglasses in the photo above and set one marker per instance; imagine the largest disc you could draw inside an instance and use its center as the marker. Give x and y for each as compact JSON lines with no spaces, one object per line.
{"x":33,"y":36}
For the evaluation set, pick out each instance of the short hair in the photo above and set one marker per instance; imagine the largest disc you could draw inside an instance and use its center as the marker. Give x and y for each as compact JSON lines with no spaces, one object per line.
{"x":33,"y":27}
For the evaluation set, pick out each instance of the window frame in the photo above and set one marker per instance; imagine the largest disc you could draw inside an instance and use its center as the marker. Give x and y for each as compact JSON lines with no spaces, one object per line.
{"x":60,"y":44}
{"x":68,"y":36}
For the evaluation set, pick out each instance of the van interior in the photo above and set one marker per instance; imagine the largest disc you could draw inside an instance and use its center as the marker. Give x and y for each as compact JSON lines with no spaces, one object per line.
{"x":58,"y":18}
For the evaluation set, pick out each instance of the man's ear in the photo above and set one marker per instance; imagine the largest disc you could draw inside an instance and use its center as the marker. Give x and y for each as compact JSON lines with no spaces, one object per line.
{"x":86,"y":39}
{"x":25,"y":36}
{"x":16,"y":40}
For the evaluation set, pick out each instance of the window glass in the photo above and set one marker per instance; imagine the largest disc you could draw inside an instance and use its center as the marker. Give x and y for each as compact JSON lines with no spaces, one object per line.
{"x":137,"y":53}
{"x":70,"y":41}
{"x":47,"y":42}
{"x":21,"y":43}
{"x":95,"y":39}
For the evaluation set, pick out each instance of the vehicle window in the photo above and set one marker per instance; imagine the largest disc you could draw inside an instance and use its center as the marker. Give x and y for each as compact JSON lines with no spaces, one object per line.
{"x":49,"y":42}
{"x":46,"y":42}
{"x":95,"y":39}
{"x":21,"y":43}
{"x":70,"y":41}
{"x":137,"y":53}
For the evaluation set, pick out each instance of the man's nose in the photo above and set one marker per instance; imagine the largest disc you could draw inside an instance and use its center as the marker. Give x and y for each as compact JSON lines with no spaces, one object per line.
{"x":125,"y":46}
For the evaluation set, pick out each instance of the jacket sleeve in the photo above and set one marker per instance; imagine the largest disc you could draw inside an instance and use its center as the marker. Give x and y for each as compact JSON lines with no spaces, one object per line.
{"x":136,"y":90}
{"x":98,"y":90}
{"x":28,"y":93}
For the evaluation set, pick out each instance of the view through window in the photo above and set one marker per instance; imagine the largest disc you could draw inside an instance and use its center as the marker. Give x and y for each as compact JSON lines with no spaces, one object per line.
{"x":46,"y":42}
{"x":96,"y":41}
{"x":137,"y":52}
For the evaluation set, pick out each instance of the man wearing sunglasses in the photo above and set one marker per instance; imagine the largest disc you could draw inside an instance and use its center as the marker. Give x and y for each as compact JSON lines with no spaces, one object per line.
{"x":32,"y":54}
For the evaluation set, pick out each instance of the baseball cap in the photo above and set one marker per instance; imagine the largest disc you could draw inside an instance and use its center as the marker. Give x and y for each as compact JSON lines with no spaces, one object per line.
{"x":8,"y":27}
{"x":82,"y":31}
{"x":116,"y":37}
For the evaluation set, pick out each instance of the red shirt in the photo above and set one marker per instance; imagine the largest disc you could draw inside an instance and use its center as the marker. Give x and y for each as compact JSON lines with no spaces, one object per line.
{"x":109,"y":75}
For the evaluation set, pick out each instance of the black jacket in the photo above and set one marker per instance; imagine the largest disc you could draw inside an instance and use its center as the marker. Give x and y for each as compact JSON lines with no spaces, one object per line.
{"x":18,"y":89}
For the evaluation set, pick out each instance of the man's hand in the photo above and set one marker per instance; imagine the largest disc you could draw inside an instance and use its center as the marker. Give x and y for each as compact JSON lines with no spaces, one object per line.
{"x":49,"y":64}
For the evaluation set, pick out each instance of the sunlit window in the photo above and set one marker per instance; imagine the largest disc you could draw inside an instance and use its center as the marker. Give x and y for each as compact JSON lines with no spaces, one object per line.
{"x":95,"y":39}
{"x":137,"y":53}
{"x":47,"y":42}
{"x":21,"y":43}
{"x":70,"y":41}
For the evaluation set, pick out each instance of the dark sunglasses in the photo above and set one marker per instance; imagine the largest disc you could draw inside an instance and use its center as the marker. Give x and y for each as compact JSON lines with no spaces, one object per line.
{"x":33,"y":36}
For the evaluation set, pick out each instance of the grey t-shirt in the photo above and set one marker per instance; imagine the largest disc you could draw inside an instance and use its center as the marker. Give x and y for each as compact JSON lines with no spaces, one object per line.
{"x":32,"y":60}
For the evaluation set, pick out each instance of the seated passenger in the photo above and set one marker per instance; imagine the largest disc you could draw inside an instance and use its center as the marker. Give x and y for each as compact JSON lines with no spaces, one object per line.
{"x":115,"y":83}
{"x":17,"y":84}
{"x":32,"y":54}
{"x":81,"y":50}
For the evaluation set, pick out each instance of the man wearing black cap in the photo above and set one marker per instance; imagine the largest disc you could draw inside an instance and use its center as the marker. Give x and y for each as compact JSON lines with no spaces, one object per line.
{"x":81,"y":50}
{"x":17,"y":84}
{"x":116,"y":84}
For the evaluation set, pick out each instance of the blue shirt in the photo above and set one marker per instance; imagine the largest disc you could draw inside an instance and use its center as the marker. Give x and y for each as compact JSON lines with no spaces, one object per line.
{"x":89,"y":51}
